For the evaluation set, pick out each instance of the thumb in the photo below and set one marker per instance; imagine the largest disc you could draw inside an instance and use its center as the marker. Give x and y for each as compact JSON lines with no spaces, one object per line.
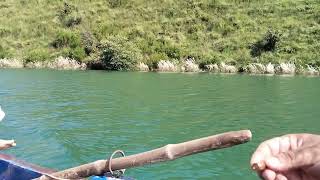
{"x":11,"y":142}
{"x":290,"y":160}
{"x":5,"y":144}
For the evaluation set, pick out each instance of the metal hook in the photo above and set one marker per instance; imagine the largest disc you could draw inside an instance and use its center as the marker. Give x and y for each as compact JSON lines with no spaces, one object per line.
{"x":118,"y":173}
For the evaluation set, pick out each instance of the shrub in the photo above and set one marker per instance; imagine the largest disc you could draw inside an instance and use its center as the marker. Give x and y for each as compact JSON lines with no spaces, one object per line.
{"x":65,"y":10}
{"x":119,"y":54}
{"x":242,"y":56}
{"x":155,"y":57}
{"x":317,"y":63}
{"x":209,"y":59}
{"x":267,"y":57}
{"x":172,"y":52}
{"x":117,"y":3}
{"x":37,"y":55}
{"x":268,"y":43}
{"x":77,"y":53}
{"x":89,"y":42}
{"x":3,"y":53}
{"x":69,"y":16}
{"x":67,"y":39}
{"x":72,"y":21}
{"x":74,"y":45}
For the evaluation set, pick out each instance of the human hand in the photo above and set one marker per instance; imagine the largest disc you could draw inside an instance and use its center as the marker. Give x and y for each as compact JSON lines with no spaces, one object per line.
{"x":290,"y":157}
{"x":5,"y":144}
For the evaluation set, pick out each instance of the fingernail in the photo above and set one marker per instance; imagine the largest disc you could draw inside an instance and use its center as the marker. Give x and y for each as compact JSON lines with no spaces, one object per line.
{"x":260,"y":166}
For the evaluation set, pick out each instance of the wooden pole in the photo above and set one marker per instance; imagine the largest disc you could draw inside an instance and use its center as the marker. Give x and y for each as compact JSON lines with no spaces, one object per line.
{"x":166,"y":153}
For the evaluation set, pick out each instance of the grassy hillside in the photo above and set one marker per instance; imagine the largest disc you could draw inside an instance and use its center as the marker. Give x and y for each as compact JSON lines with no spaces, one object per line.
{"x":120,"y":31}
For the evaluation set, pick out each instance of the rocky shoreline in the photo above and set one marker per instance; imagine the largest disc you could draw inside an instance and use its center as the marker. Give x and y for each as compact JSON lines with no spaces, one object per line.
{"x":253,"y":68}
{"x":59,"y":63}
{"x":188,"y":65}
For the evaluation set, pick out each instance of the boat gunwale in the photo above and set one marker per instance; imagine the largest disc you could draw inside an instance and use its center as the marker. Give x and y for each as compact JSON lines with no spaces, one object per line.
{"x":23,"y":164}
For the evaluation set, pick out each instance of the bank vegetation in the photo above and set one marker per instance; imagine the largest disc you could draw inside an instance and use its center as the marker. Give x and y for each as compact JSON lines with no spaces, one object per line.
{"x":228,"y":36}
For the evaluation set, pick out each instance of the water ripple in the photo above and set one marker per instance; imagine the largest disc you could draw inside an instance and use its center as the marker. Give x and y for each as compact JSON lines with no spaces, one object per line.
{"x":63,"y":119}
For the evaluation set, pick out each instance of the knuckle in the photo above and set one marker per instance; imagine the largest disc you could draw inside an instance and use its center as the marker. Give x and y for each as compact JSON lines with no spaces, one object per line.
{"x":291,"y":155}
{"x":288,"y":156}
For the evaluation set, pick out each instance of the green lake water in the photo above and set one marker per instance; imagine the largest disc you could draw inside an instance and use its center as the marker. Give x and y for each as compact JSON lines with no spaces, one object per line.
{"x":62,"y":119}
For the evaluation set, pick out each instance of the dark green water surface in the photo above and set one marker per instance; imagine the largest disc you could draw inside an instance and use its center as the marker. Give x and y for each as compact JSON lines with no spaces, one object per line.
{"x":65,"y":118}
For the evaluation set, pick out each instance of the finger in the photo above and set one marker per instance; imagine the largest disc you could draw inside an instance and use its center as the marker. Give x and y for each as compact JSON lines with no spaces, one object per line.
{"x":291,"y":160}
{"x":284,"y":144}
{"x":268,"y":174}
{"x":5,"y":144}
{"x":275,"y":146}
{"x":294,"y":141}
{"x":264,"y":150}
{"x":14,"y":144}
{"x":295,"y":175}
{"x":281,"y":177}
{"x":10,"y":143}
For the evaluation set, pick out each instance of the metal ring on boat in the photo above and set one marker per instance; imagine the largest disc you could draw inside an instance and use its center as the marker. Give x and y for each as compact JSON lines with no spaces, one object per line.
{"x":109,"y":164}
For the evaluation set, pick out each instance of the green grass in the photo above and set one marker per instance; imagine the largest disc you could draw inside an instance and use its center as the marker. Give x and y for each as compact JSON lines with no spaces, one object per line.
{"x":207,"y":30}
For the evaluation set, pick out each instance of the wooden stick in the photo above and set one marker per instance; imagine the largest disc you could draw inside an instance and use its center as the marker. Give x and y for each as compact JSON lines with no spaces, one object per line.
{"x":166,"y":153}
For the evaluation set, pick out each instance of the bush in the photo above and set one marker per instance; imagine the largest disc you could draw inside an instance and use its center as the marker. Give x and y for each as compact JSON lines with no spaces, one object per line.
{"x":69,"y":16}
{"x":3,"y":53}
{"x":37,"y":55}
{"x":242,"y":56}
{"x":172,"y":52}
{"x":209,"y":59}
{"x":158,"y":57}
{"x":65,"y":10}
{"x":168,"y":48}
{"x":117,"y":3}
{"x":74,"y":45}
{"x":89,"y":42}
{"x":67,"y":39}
{"x":74,"y":53}
{"x":72,"y":21}
{"x":119,"y":54}
{"x":268,"y":57}
{"x":154,"y":58}
{"x":268,"y":43}
{"x":317,"y":63}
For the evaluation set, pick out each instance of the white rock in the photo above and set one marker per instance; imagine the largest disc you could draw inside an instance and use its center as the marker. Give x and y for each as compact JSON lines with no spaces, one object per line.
{"x":190,"y":66}
{"x":224,"y":68}
{"x":311,"y":70}
{"x":270,"y":69}
{"x":212,"y":67}
{"x":167,"y":66}
{"x":11,"y":63}
{"x":62,"y":63}
{"x":286,"y":68}
{"x":142,"y":67}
